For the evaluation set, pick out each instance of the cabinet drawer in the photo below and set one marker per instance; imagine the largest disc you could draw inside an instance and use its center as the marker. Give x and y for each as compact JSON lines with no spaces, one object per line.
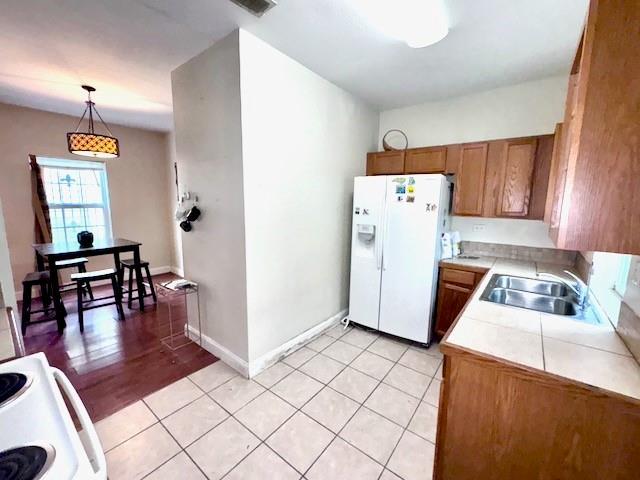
{"x":458,"y":276}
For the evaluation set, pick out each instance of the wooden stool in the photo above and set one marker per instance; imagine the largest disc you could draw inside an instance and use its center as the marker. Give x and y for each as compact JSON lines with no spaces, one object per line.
{"x":85,"y":278}
{"x":130,"y":265}
{"x":79,"y":263}
{"x":35,"y":279}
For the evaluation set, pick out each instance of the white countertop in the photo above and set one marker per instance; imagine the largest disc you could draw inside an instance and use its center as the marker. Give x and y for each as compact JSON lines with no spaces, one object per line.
{"x":590,"y":354}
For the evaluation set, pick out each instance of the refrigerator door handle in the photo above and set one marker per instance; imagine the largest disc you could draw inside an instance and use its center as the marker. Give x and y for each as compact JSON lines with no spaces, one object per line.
{"x":378,"y":249}
{"x":384,"y":235}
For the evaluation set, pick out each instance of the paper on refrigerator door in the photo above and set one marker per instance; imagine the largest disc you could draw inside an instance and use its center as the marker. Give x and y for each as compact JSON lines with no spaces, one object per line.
{"x":447,"y":247}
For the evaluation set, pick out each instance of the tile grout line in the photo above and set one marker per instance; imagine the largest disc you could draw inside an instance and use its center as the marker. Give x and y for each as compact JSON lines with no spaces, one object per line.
{"x":179,"y":446}
{"x":544,"y":363}
{"x":407,"y":427}
{"x":384,"y":467}
{"x":184,"y":449}
{"x":395,"y":362}
{"x":361,"y":406}
{"x":295,"y":411}
{"x":299,"y":409}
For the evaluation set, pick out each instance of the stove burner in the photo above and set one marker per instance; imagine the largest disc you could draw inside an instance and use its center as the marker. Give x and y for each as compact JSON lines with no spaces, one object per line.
{"x":10,"y":385}
{"x":25,"y":463}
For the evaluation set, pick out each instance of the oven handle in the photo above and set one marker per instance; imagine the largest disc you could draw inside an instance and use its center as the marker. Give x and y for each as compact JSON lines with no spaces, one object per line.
{"x":100,"y":467}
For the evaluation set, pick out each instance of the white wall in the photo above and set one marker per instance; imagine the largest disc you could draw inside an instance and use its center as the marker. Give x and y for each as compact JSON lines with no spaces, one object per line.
{"x":7,"y":295}
{"x":206,"y":106}
{"x":177,"y":265}
{"x":528,"y":233}
{"x":531,"y":108}
{"x":304,"y":139}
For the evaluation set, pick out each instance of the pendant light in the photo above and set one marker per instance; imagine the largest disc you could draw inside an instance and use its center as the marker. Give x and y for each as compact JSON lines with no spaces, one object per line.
{"x":89,"y":143}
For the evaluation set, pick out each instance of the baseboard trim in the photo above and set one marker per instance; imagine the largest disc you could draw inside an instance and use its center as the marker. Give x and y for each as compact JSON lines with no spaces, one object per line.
{"x":220,"y":351}
{"x":251,"y":369}
{"x":275,"y":355}
{"x":154,"y":271}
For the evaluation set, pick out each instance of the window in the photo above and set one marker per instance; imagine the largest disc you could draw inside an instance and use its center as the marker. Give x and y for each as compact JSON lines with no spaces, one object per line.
{"x":620,"y":284}
{"x":78,"y":198}
{"x":608,"y":281}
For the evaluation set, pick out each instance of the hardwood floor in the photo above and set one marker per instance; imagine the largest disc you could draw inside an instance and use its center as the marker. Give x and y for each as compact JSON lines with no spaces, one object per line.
{"x":115,"y":363}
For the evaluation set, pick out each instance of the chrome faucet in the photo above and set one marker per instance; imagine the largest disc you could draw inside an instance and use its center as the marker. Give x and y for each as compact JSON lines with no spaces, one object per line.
{"x":581,"y":291}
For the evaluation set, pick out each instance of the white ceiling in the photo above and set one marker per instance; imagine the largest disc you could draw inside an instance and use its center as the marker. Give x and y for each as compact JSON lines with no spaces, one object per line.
{"x":128,"y":48}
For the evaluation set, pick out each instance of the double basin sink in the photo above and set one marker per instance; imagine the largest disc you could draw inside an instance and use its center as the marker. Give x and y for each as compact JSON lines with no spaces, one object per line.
{"x":535,"y":294}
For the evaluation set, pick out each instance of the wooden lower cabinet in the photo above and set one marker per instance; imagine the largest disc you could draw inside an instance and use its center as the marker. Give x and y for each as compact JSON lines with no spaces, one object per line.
{"x":455,"y":287}
{"x":502,"y":422}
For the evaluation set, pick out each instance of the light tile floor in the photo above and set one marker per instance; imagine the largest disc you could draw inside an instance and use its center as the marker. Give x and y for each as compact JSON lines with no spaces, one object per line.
{"x":351,"y":404}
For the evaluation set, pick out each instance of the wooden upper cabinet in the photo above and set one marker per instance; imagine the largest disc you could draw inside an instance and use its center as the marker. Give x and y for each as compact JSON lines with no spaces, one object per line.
{"x":425,"y":160}
{"x":516,"y":178}
{"x":497,"y":178}
{"x":453,"y":155}
{"x":560,"y":172}
{"x":553,"y":173}
{"x":385,"y":163}
{"x":597,"y":201}
{"x":541,"y":172}
{"x":470,"y":181}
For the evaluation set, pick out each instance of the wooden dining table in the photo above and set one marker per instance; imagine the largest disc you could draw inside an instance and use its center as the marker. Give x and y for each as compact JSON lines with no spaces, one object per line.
{"x":50,"y":253}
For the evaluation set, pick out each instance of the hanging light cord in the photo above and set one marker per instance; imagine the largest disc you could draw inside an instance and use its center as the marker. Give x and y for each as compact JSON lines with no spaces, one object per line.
{"x":91,"y":108}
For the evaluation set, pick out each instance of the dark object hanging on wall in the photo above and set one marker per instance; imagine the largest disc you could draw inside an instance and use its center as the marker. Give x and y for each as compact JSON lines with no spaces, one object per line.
{"x":193,"y":214}
{"x":85,"y":239}
{"x":385,"y":141}
{"x":89,"y":143}
{"x":185,"y":225}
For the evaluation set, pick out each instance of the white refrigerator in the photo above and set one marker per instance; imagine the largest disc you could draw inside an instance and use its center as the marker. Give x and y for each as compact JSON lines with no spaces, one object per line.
{"x":395,"y":248}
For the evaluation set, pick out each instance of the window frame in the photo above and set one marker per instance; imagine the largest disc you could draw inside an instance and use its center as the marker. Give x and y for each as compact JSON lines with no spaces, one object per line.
{"x":70,"y":164}
{"x":620,"y":283}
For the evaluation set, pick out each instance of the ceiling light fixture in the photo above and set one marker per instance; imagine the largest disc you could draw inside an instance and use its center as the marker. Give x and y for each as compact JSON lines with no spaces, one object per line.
{"x":89,"y":143}
{"x":419,"y":23}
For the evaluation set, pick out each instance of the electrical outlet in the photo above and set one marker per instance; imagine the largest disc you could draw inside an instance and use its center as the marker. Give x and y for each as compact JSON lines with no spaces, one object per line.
{"x":478,"y":227}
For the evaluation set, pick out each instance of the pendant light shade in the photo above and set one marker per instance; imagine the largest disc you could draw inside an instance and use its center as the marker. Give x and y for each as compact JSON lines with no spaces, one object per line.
{"x":89,"y":143}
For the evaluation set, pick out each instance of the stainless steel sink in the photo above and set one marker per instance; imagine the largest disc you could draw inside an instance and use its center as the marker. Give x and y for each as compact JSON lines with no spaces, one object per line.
{"x":532,"y":301}
{"x":544,"y":287}
{"x":540,"y":295}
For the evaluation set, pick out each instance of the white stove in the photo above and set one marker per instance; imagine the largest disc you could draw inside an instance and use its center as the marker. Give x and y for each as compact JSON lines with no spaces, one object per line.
{"x":38,"y":440}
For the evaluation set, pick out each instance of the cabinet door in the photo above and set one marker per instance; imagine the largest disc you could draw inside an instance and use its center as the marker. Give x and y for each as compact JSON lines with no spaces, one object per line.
{"x":518,"y":158}
{"x":553,"y":173}
{"x":426,"y":160}
{"x":470,"y":179}
{"x":385,"y":163}
{"x":451,"y":300}
{"x":567,"y":133}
